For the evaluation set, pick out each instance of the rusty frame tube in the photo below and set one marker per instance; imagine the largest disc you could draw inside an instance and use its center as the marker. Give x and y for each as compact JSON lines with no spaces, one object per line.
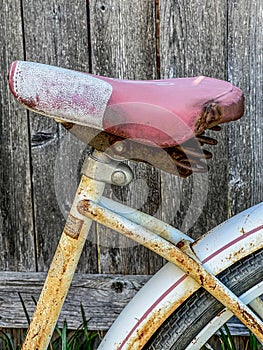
{"x":62,"y":269}
{"x":176,"y":256}
{"x":151,"y":223}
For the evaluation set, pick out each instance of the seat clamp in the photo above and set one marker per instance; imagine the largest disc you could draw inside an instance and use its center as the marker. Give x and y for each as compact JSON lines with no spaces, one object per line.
{"x":100,"y":167}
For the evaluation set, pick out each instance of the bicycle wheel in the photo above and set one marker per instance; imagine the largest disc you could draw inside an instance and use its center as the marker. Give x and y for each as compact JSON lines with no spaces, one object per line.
{"x":186,"y":324}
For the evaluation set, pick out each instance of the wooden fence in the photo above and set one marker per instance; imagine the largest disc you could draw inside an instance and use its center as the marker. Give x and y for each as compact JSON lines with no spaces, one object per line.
{"x":139,"y":39}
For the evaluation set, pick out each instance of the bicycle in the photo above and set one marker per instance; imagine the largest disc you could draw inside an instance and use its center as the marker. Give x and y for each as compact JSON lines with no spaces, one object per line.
{"x":121,"y":120}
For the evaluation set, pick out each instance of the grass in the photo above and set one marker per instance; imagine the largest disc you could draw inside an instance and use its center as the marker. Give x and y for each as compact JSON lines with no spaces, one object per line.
{"x":63,"y":339}
{"x":227,"y":341}
{"x":83,"y":339}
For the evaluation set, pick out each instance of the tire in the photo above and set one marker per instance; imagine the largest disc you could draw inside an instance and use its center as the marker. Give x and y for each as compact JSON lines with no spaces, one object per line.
{"x":195,"y":313}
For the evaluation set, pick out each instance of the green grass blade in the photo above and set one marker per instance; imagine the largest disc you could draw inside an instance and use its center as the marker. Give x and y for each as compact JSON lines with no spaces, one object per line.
{"x":83,"y":315}
{"x":225,"y":344}
{"x":254,"y":344}
{"x":7,"y":340}
{"x":85,"y":322}
{"x":58,"y":332}
{"x":230,"y":338}
{"x":64,"y":336}
{"x":251,"y":342}
{"x":88,"y":334}
{"x":223,"y":337}
{"x":75,"y":336}
{"x":55,"y":345}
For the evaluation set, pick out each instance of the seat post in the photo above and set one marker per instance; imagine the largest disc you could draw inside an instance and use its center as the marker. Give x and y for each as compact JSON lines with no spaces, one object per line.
{"x":98,"y":169}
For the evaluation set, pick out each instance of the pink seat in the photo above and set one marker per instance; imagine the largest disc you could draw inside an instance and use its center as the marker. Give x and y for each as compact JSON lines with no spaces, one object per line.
{"x":162,"y":113}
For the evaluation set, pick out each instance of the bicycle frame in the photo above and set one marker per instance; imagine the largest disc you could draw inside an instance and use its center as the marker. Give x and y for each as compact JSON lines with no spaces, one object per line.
{"x":193,"y":265}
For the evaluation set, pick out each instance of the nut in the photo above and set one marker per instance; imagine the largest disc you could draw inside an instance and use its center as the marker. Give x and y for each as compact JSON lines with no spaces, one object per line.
{"x":118,"y":178}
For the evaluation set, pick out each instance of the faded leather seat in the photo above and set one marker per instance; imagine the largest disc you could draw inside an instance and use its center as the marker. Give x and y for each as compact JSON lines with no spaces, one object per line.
{"x":161,"y":113}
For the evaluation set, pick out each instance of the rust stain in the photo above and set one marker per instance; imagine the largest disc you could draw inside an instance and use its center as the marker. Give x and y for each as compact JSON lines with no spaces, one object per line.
{"x":153,"y":323}
{"x":250,"y":322}
{"x":201,"y":280}
{"x":86,"y":187}
{"x":73,"y":226}
{"x":84,"y":207}
{"x":67,"y":125}
{"x":242,"y":231}
{"x":210,"y":117}
{"x":146,"y":332}
{"x":220,"y":313}
{"x":180,"y":244}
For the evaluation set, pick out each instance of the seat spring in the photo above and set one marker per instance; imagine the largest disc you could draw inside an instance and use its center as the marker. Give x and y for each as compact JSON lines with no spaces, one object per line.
{"x":189,"y":157}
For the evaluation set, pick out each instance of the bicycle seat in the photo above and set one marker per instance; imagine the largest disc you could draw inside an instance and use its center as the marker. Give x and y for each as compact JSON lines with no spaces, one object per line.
{"x":161,"y":113}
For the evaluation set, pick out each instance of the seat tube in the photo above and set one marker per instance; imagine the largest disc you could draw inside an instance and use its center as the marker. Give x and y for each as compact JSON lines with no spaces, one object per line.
{"x":62,"y":268}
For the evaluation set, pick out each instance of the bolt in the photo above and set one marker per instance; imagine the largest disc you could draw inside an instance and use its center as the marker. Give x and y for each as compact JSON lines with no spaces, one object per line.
{"x":118,"y":178}
{"x":119,"y":147}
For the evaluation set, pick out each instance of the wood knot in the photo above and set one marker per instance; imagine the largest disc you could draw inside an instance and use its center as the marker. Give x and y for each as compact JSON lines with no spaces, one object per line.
{"x":117,"y":286}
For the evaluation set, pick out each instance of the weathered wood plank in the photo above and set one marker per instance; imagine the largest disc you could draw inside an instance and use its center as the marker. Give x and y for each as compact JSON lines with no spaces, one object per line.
{"x":123,"y":38}
{"x":16,"y":215}
{"x":55,"y":33}
{"x":102,"y":297}
{"x":123,"y":46}
{"x":192,"y":42}
{"x":245,"y":56}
